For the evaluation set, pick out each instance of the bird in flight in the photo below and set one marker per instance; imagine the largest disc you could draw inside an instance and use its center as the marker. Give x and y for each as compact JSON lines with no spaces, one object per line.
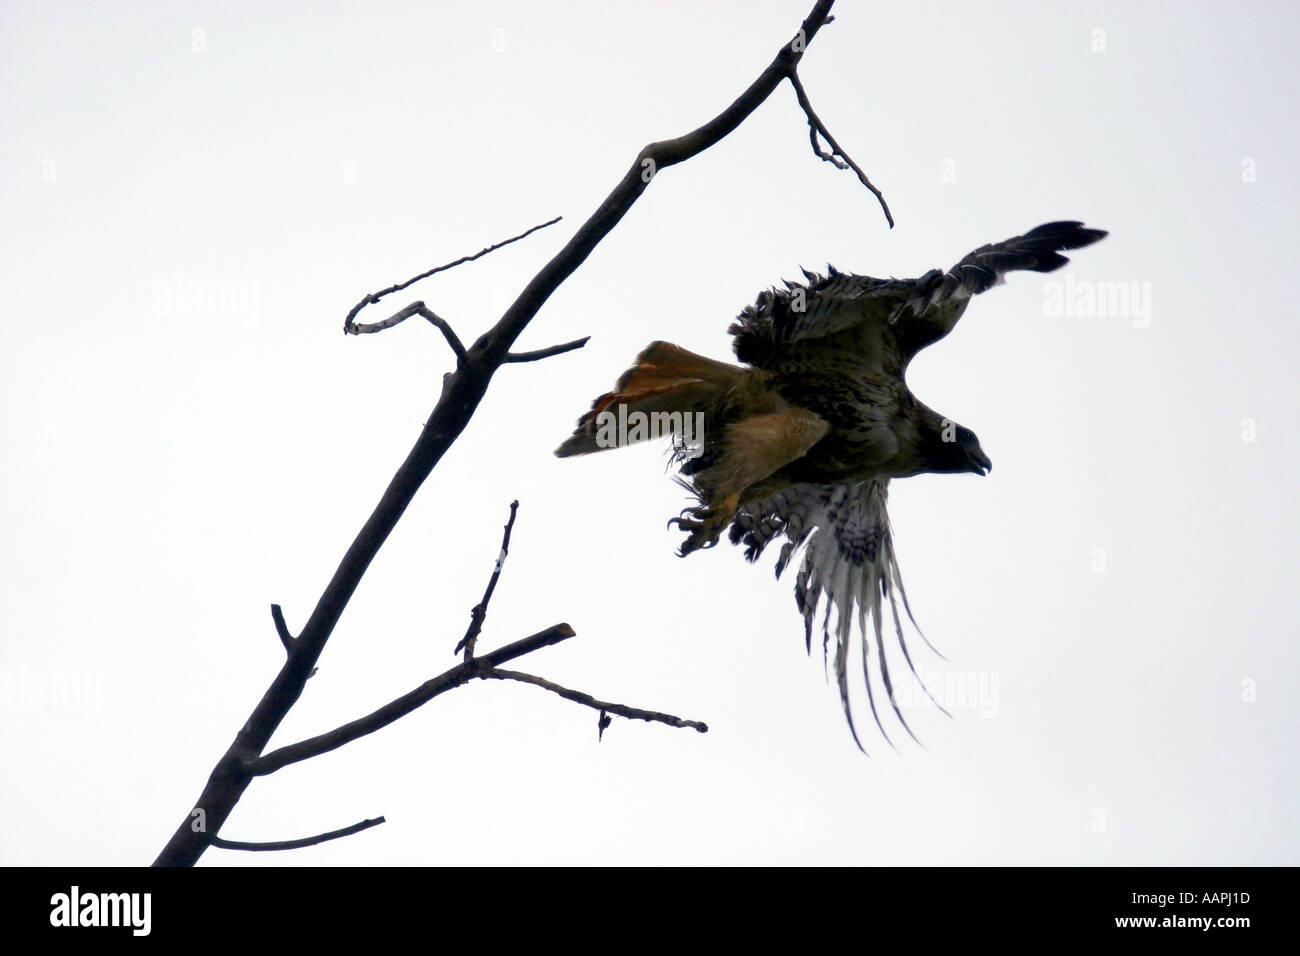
{"x":801,"y":440}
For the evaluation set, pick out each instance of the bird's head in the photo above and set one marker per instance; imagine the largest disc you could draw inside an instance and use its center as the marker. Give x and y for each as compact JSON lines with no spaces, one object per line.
{"x":955,"y":449}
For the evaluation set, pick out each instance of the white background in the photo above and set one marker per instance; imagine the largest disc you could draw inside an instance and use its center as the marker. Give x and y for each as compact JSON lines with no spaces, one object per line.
{"x":1122,"y":583}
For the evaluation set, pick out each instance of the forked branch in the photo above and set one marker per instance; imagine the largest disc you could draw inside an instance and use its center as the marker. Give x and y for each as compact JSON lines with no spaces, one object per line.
{"x":462,"y":390}
{"x":350,"y":327}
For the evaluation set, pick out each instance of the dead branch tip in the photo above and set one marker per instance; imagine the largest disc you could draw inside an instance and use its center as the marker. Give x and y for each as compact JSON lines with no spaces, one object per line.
{"x":297,"y":844}
{"x":351,"y":327}
{"x":479,"y":612}
{"x":282,"y":629}
{"x":836,"y":156}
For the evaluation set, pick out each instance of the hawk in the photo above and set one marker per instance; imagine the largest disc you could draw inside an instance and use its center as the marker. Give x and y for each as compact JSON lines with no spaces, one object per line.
{"x":801,"y":440}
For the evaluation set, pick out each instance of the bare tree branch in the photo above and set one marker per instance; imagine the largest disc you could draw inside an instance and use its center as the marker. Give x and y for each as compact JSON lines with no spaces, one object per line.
{"x":462,"y":673}
{"x":479,"y":613}
{"x":837,"y":157}
{"x":418,"y":308}
{"x":453,"y":340}
{"x":297,"y":844}
{"x":352,"y":328}
{"x":578,"y":697}
{"x":461,"y":393}
{"x":546,"y":353}
{"x":448,"y":333}
{"x":649,"y":162}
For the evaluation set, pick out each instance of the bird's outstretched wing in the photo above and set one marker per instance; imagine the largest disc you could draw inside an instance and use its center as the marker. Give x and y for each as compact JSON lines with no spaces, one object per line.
{"x":893,"y":318}
{"x":848,"y":566}
{"x":941,"y":298}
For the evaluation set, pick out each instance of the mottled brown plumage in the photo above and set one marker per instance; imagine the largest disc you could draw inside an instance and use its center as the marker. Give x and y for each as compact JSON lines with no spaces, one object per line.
{"x":802,"y":439}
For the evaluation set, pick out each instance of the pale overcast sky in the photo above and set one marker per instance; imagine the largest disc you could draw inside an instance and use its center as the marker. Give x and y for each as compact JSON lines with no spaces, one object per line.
{"x":195,"y":194}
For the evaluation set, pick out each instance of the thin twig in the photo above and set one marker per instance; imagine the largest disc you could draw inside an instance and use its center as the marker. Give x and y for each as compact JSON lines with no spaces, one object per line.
{"x":479,"y":613}
{"x":281,"y":628}
{"x":418,"y":308}
{"x":837,"y":157}
{"x":361,"y":328}
{"x":352,"y":329}
{"x":578,"y":697}
{"x":546,"y":353}
{"x":297,"y":844}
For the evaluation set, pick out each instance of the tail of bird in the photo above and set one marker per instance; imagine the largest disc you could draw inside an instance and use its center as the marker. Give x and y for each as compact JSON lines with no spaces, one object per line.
{"x":664,"y":379}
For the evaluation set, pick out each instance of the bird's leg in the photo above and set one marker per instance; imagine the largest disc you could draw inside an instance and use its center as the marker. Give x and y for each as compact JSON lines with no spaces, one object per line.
{"x":706,"y":523}
{"x":752,"y":449}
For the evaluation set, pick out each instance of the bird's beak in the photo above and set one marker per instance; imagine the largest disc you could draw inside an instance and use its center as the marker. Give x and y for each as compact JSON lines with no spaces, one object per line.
{"x":980,"y":463}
